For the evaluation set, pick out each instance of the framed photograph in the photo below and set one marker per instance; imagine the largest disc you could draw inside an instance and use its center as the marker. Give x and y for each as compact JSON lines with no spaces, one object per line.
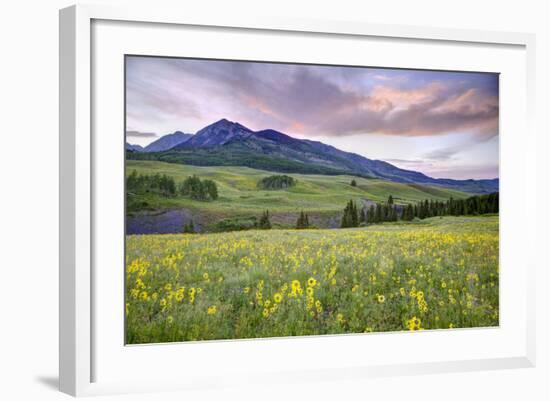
{"x":286,"y":200}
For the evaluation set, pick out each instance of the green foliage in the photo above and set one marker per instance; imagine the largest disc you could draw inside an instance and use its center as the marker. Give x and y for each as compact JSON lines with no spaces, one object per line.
{"x":239,"y":194}
{"x":160,"y":184}
{"x":353,"y":183}
{"x":233,"y":157}
{"x":189,"y":228}
{"x":276,"y":182}
{"x":236,"y":224}
{"x":265,"y":223}
{"x":472,"y":206}
{"x":408,"y":213}
{"x":198,"y":189}
{"x":362,"y":216}
{"x":350,"y":217}
{"x":303,"y":221}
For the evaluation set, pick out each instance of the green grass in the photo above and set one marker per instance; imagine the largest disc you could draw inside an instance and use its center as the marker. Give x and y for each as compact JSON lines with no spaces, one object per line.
{"x":434,"y":274}
{"x":239,"y":195}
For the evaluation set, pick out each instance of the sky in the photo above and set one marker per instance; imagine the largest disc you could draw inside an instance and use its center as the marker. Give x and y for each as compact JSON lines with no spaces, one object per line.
{"x":441,"y":123}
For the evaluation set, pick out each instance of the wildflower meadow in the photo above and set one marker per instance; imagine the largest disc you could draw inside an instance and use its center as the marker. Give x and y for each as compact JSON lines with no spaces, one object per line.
{"x":438,"y":273}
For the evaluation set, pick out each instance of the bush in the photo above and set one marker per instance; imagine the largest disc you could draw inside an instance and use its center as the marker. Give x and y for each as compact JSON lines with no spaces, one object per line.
{"x":236,"y":224}
{"x":276,"y":182}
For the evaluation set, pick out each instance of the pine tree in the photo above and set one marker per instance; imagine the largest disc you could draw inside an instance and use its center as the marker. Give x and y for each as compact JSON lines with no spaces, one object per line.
{"x":378,"y":214}
{"x":354,"y":217}
{"x":265,"y":223}
{"x":350,"y":218}
{"x":370,"y":214}
{"x":303,"y":221}
{"x":408,"y":213}
{"x":189,"y":228}
{"x":390,"y":200}
{"x":353,"y":183}
{"x":362,"y":216}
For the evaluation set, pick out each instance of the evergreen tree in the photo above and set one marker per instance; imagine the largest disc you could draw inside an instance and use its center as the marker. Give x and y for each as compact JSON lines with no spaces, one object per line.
{"x":189,"y":228}
{"x":362,"y":216}
{"x":199,"y":190}
{"x":350,"y":218}
{"x":300,"y":222}
{"x":408,"y":213}
{"x":353,"y":183}
{"x":370,"y":215}
{"x":303,"y":221}
{"x":378,"y":214}
{"x":264,"y":223}
{"x":354,"y":216}
{"x":390,"y":200}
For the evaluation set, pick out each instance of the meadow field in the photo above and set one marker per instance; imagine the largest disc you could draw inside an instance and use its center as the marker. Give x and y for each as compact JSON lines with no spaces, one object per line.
{"x":437,"y":273}
{"x":322,"y":196}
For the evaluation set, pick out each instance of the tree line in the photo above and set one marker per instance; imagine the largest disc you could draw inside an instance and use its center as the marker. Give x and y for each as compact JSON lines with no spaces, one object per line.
{"x":388,"y":211}
{"x":164,"y":185}
{"x":156,"y":183}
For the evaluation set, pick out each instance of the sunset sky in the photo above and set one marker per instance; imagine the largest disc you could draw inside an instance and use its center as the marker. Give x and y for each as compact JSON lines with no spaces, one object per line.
{"x":444,"y":124}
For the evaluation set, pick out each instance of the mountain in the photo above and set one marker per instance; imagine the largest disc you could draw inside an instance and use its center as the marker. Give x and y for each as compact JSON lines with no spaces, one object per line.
{"x":133,"y":148}
{"x":232,"y":144}
{"x":167,"y":142}
{"x":218,"y":134}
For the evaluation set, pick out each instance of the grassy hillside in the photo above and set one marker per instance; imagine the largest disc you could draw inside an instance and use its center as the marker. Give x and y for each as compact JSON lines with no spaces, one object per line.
{"x":239,"y":194}
{"x":435,"y":274}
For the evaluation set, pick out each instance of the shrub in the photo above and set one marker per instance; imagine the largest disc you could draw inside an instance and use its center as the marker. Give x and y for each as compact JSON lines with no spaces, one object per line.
{"x":276,"y":182}
{"x":236,"y":224}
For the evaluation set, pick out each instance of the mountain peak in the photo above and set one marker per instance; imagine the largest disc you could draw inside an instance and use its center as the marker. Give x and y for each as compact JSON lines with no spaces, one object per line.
{"x":235,"y":144}
{"x":218,"y":133}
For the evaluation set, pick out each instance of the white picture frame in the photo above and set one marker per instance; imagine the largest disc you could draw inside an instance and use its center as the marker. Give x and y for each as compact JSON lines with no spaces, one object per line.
{"x":77,"y":368}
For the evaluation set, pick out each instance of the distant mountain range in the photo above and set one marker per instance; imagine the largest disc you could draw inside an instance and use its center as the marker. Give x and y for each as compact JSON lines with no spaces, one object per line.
{"x":232,"y":144}
{"x":162,"y":144}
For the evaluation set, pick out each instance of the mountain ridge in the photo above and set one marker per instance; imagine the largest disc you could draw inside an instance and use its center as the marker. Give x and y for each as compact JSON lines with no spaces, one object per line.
{"x":231,"y":143}
{"x":167,"y":142}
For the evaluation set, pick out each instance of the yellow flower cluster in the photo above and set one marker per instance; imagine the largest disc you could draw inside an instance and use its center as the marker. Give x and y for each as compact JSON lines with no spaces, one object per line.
{"x":414,"y":323}
{"x":276,"y":283}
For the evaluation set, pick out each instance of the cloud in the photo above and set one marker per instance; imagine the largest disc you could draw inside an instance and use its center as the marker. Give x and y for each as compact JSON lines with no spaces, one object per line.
{"x":442,"y":154}
{"x":434,"y":109}
{"x":309,"y":100}
{"x":138,"y":134}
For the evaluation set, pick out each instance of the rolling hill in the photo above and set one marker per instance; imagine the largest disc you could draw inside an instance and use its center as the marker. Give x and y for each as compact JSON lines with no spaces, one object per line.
{"x":322,"y":196}
{"x":227,"y":143}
